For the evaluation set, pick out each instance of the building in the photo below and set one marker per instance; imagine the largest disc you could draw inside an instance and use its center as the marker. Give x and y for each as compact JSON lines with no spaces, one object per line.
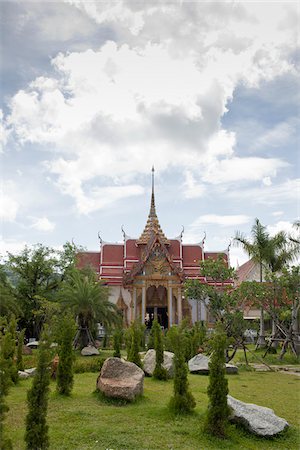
{"x":146,"y":275}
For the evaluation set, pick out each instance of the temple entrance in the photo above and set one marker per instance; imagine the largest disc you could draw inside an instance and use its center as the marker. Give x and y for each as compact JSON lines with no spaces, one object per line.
{"x":156,"y":306}
{"x":159,"y":313}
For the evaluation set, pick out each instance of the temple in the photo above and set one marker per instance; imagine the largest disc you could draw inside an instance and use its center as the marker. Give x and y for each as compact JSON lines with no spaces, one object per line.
{"x":146,"y":275}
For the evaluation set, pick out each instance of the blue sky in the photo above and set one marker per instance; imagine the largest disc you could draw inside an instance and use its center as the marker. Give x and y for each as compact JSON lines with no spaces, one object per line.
{"x":95,"y":93}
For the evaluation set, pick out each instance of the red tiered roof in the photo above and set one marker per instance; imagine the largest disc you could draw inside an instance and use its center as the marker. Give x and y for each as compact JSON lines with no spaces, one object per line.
{"x":115,"y":260}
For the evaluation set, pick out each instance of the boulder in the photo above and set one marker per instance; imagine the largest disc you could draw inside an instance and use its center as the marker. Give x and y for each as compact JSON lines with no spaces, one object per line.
{"x":23,"y":375}
{"x":149,"y":362}
{"x":90,"y":350}
{"x":199,"y":364}
{"x":121,"y":379}
{"x":231,"y":369}
{"x":258,"y":420}
{"x":26,"y":350}
{"x":31,"y":372}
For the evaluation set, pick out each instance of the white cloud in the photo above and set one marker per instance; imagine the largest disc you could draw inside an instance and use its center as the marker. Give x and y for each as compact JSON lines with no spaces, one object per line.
{"x":43,"y":224}
{"x":4,"y":132}
{"x":13,"y":246}
{"x":282,"y":193}
{"x":191,"y":188}
{"x":277,"y":213}
{"x":9,"y":206}
{"x":224,"y":221}
{"x":241,"y":169}
{"x":282,"y":225}
{"x":154,"y":97}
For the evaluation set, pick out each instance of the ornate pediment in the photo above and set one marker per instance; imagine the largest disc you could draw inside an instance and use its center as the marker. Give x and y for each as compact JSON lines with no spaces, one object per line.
{"x":155,"y":262}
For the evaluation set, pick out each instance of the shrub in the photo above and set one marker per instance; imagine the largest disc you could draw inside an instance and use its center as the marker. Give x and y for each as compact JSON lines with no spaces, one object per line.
{"x":8,"y":347}
{"x":218,"y":410}
{"x":66,"y":356}
{"x":36,"y":435}
{"x":135,"y":344}
{"x":89,"y":364}
{"x":117,"y":338}
{"x":5,"y":382}
{"x":160,"y":372}
{"x":183,"y":401}
{"x":20,"y":364}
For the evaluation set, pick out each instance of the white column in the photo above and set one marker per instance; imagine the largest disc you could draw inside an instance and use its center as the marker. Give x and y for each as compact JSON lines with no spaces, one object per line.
{"x":179,"y":305}
{"x":170,"y":306}
{"x":134,"y":303}
{"x":143,"y":303}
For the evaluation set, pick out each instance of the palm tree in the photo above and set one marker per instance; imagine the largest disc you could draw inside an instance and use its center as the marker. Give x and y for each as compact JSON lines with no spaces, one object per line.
{"x":271,"y":253}
{"x":258,"y":250}
{"x":88,"y":299}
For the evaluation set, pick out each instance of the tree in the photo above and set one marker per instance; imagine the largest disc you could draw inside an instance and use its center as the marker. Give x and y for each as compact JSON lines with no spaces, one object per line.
{"x":280,"y":298}
{"x":66,"y":355}
{"x":5,"y":382}
{"x":117,"y":337}
{"x":217,"y":292}
{"x":36,"y":274}
{"x":8,"y":348}
{"x":36,"y":435}
{"x":160,"y":372}
{"x":218,"y":410}
{"x":272,"y":253}
{"x":133,"y":355}
{"x":87,"y":298}
{"x":183,"y":401}
{"x":8,"y":305}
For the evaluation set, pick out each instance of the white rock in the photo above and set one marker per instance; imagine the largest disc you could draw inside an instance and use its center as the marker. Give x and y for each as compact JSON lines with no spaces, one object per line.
{"x":199,"y":364}
{"x":31,"y":372}
{"x":257,"y":419}
{"x":23,"y":375}
{"x":90,"y":350}
{"x":149,"y":362}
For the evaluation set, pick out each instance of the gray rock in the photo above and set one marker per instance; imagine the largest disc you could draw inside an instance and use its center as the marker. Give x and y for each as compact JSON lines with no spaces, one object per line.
{"x":23,"y":375}
{"x":258,"y":420}
{"x":199,"y":364}
{"x":31,"y":372}
{"x":231,"y":369}
{"x":121,"y":379}
{"x":90,"y":350}
{"x":149,"y":362}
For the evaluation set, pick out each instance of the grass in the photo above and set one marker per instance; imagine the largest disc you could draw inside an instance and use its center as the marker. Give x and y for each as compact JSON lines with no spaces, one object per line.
{"x":256,"y":357}
{"x":86,"y":421}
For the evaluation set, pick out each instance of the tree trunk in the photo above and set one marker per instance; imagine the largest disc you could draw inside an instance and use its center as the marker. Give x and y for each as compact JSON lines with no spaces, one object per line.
{"x":295,"y":329}
{"x":261,"y":343}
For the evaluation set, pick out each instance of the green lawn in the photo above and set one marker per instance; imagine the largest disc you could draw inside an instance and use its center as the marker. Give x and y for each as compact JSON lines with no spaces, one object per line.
{"x":83,"y":421}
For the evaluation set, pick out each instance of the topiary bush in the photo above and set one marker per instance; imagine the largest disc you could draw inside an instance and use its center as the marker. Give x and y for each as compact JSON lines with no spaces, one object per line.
{"x":160,"y":372}
{"x":218,"y":410}
{"x":36,"y":435}
{"x":133,"y":355}
{"x":66,"y":356}
{"x":117,"y":339}
{"x":183,"y":401}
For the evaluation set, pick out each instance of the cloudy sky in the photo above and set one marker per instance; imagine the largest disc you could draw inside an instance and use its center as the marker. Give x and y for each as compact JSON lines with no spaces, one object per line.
{"x":95,"y":93}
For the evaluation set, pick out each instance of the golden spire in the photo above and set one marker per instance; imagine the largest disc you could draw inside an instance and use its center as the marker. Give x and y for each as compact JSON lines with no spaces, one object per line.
{"x":152,"y":225}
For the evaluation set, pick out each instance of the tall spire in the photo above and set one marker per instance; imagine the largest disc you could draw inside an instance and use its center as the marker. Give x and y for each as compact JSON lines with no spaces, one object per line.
{"x":152,"y":225}
{"x":152,"y":206}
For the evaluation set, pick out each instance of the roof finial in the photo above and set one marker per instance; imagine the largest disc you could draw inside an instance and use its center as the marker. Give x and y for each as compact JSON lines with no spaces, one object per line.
{"x":152,"y":208}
